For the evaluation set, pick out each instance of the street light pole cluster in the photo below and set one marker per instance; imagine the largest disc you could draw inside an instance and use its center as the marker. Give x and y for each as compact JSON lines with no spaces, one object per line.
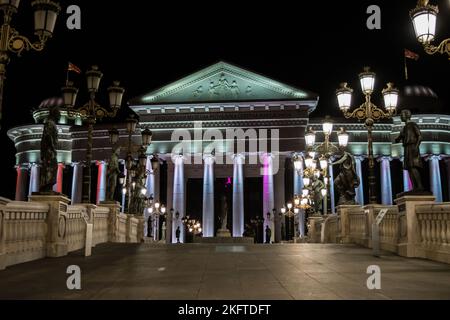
{"x":370,"y":113}
{"x":155,"y":210}
{"x":314,"y":167}
{"x":45,"y":14}
{"x":137,"y":173}
{"x":424,"y":18}
{"x":90,"y":113}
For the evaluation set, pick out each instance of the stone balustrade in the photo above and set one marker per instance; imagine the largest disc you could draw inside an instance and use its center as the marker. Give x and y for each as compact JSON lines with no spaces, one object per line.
{"x":434,"y":231}
{"x":415,"y":227}
{"x":47,"y":226}
{"x":23,"y":232}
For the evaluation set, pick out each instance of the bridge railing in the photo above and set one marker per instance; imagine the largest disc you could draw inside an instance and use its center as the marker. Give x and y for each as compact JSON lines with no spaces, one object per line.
{"x":415,"y":227}
{"x":47,"y":226}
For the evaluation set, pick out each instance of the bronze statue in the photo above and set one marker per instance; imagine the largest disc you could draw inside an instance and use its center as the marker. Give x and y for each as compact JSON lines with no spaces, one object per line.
{"x":49,"y":145}
{"x":113,"y":174}
{"x":347,"y":180}
{"x":317,"y":186}
{"x":224,"y":213}
{"x":411,"y":138}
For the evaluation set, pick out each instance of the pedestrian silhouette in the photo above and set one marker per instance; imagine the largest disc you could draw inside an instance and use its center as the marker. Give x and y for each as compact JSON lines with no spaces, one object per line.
{"x":268,"y":234}
{"x":177,"y":234}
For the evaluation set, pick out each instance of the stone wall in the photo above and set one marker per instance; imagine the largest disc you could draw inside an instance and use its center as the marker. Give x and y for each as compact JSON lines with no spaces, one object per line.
{"x":47,"y":226}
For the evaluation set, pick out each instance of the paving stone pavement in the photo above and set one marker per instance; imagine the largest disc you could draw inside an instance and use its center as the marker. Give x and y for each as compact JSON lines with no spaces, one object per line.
{"x":238,"y":272}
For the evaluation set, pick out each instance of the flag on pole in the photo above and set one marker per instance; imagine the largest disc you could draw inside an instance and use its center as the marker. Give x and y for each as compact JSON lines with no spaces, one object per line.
{"x":409,"y":55}
{"x":73,"y":68}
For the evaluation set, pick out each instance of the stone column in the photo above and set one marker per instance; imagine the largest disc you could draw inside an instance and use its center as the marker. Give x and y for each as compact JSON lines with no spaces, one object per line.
{"x":77,"y":182}
{"x":435,"y":177}
{"x":35,"y":172}
{"x":178,"y":197}
{"x":386,"y":182}
{"x":333,"y":205}
{"x":279,"y":200}
{"x":298,"y":187}
{"x":407,"y":184}
{"x":238,"y":195}
{"x":101,"y":181}
{"x":268,"y":194}
{"x":21,"y":182}
{"x":208,"y":196}
{"x":360,"y":190}
{"x":58,"y":187}
{"x":169,"y":220}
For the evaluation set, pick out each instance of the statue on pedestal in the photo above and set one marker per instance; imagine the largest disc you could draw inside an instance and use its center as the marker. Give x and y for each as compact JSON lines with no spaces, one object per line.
{"x":49,"y":145}
{"x":224,"y":213}
{"x":113,"y":174}
{"x":347,"y":180}
{"x":411,"y":138}
{"x":223,"y":219}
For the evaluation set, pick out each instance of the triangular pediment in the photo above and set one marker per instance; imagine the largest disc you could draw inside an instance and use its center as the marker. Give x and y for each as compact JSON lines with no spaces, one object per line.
{"x":223,"y":82}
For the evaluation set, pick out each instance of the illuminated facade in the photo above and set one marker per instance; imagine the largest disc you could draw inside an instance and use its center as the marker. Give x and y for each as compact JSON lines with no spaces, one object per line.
{"x":231,"y":125}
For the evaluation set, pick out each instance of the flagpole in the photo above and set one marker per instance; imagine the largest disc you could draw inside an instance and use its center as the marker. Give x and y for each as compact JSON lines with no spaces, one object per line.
{"x":406,"y":68}
{"x":67,"y":77}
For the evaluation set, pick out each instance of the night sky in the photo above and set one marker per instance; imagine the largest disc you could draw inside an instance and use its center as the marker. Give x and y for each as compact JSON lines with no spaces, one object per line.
{"x":147,"y":45}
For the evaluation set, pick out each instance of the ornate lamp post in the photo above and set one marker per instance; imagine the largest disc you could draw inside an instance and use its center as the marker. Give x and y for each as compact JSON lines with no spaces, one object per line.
{"x":325,"y":151}
{"x":424,"y":18}
{"x":370,"y":113}
{"x":290,"y":213}
{"x":91,"y":112}
{"x":45,"y":14}
{"x":156,"y":210}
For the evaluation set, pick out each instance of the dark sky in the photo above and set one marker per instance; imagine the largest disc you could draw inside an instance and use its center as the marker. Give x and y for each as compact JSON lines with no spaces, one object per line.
{"x":147,"y":44}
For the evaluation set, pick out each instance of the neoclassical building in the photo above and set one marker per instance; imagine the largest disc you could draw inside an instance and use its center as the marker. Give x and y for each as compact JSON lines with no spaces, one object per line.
{"x":224,"y":138}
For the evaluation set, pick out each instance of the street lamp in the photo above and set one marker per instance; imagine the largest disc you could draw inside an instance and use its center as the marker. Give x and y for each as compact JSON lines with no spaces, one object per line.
{"x":156,"y":210}
{"x":424,"y":18}
{"x":45,"y":14}
{"x":370,"y":113}
{"x":91,"y":112}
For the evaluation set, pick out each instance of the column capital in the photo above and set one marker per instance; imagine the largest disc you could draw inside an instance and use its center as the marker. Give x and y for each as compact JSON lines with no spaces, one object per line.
{"x":266,"y":157}
{"x":359,"y":157}
{"x":209,"y":159}
{"x":238,"y":158}
{"x":178,"y":158}
{"x":384,"y":158}
{"x":433,"y":157}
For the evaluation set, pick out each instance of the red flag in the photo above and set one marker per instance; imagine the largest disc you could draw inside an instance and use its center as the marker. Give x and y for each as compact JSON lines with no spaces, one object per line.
{"x":411,"y":55}
{"x":73,"y":68}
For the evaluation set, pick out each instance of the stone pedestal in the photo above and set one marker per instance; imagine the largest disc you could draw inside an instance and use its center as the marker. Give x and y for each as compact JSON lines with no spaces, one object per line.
{"x":407,"y":203}
{"x":114,"y":211}
{"x":223,"y":233}
{"x":56,"y":222}
{"x":343,"y":212}
{"x":140,"y":229}
{"x":315,"y":228}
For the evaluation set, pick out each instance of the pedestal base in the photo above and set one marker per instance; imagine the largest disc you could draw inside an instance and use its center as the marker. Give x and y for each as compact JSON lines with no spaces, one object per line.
{"x":223,"y":233}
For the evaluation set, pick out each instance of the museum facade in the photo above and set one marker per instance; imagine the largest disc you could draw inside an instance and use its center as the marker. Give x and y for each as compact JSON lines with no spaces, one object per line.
{"x":225,"y":137}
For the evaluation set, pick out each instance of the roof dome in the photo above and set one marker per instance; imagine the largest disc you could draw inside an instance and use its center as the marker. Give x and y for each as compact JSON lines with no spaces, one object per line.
{"x":420,"y":99}
{"x":51,"y":102}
